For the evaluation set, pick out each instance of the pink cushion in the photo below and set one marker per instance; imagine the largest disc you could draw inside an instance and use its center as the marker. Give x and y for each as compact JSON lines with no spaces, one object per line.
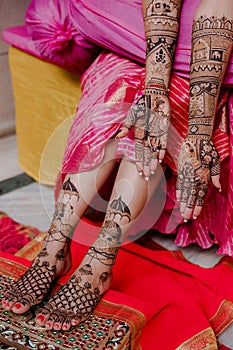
{"x":118,"y":26}
{"x":55,"y":36}
{"x":21,"y":39}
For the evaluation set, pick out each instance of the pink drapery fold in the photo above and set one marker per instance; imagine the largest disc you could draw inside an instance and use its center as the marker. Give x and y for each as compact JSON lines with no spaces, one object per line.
{"x":118,"y":27}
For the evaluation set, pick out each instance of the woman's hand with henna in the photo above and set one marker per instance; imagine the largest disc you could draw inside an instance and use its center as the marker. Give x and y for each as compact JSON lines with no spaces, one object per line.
{"x":150,"y":117}
{"x":198,"y":163}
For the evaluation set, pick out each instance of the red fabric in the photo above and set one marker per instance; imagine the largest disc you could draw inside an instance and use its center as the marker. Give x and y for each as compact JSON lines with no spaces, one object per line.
{"x":180,"y":300}
{"x":13,"y":235}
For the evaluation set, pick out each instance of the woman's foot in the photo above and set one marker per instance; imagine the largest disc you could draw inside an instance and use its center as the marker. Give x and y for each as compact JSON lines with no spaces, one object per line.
{"x":54,"y":259}
{"x":35,"y":284}
{"x":76,"y":300}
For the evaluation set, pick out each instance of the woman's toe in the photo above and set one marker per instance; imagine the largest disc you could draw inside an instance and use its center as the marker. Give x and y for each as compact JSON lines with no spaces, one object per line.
{"x":66,"y":326}
{"x":57,"y":326}
{"x":67,"y":322}
{"x":40,"y":319}
{"x":9,"y":301}
{"x":49,"y":324}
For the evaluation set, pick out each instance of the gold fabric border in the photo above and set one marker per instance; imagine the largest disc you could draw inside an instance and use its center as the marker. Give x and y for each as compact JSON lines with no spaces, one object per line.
{"x":223,"y":317}
{"x":12,"y":268}
{"x":133,"y":317}
{"x":206,"y":339}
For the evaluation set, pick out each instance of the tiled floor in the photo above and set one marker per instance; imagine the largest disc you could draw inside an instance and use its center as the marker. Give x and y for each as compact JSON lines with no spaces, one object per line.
{"x":32,"y":204}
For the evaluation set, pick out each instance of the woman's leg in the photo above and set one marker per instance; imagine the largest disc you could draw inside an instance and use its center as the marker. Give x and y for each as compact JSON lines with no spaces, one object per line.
{"x":78,"y":297}
{"x":54,"y":259}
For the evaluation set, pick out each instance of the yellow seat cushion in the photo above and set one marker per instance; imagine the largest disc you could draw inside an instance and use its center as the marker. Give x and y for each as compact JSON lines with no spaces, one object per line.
{"x":46,"y":98}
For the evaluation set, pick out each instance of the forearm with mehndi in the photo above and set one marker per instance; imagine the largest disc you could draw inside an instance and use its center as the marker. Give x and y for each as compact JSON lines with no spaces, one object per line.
{"x":211,"y":48}
{"x":161,"y":22}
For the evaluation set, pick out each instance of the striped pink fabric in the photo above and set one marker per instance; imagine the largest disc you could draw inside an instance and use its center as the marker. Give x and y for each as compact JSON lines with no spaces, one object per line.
{"x":110,"y":86}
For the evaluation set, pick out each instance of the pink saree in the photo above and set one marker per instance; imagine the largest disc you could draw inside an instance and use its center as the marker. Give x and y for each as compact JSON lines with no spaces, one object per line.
{"x":110,"y":86}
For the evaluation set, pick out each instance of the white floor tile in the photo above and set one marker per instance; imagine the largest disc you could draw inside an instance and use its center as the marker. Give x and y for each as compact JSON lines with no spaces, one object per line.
{"x":9,"y":158}
{"x":30,"y":205}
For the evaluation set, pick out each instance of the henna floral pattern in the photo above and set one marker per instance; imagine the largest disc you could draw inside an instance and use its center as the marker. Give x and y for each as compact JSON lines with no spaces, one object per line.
{"x":150,"y":117}
{"x":197,"y":162}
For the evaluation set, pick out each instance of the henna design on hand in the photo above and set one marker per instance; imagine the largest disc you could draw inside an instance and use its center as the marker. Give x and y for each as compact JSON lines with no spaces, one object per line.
{"x":198,"y":161}
{"x":150,"y":117}
{"x":159,"y":122}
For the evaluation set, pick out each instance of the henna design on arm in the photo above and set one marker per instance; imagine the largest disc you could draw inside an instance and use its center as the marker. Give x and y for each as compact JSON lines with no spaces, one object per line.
{"x":161,"y":22}
{"x":211,"y":48}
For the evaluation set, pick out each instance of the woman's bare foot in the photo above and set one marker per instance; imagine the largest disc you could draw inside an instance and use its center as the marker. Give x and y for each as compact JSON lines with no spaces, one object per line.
{"x":35,"y":284}
{"x":76,"y":300}
{"x":54,"y":259}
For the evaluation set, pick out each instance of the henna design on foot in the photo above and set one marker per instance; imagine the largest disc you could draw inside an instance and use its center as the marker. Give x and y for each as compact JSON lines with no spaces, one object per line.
{"x":53,"y":260}
{"x":72,"y":304}
{"x":76,"y":300}
{"x":31,"y":288}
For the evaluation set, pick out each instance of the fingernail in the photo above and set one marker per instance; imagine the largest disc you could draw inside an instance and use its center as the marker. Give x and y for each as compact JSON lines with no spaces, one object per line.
{"x":147,"y":178}
{"x":140,"y":173}
{"x":220,"y":190}
{"x":178,"y":200}
{"x":152,"y":172}
{"x":185,"y":220}
{"x":160,"y":161}
{"x":194,"y":217}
